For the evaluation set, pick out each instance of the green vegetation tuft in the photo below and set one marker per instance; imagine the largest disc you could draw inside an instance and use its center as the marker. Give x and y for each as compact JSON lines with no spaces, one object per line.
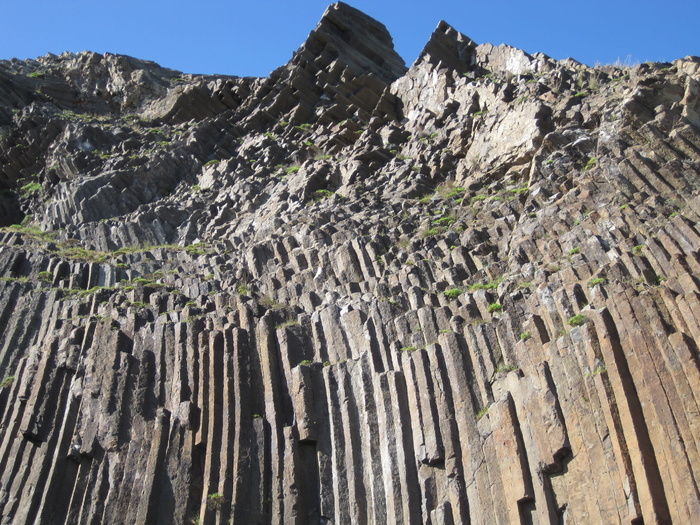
{"x":452,"y":293}
{"x":30,"y":189}
{"x":494,"y":307}
{"x":431,"y":232}
{"x":445,"y":221}
{"x":320,"y":195}
{"x":578,"y":320}
{"x":481,"y":413}
{"x":491,"y":285}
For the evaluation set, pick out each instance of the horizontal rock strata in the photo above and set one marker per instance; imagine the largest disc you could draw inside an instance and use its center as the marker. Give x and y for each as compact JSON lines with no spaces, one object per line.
{"x":351,"y":292}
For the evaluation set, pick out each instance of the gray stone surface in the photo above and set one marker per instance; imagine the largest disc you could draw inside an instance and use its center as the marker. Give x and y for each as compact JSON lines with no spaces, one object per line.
{"x":351,"y":292}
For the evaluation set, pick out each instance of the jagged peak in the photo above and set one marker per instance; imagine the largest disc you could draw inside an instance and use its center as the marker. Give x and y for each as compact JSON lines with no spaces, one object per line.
{"x":449,"y":48}
{"x":354,"y":38}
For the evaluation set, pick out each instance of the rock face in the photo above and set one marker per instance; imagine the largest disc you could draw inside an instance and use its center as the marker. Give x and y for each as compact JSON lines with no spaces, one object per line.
{"x":466,"y":292}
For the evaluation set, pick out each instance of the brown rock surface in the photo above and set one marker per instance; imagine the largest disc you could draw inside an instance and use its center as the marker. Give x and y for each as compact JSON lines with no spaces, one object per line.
{"x":466,"y":292}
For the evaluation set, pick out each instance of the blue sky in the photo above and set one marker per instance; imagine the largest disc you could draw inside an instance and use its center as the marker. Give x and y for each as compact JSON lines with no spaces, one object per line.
{"x":251,"y":38}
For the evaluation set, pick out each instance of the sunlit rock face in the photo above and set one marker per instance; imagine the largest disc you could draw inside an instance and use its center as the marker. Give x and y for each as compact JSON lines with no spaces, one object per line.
{"x":351,"y":292}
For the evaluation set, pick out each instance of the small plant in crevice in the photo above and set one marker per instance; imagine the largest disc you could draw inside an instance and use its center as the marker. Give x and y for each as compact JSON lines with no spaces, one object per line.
{"x":481,"y":413}
{"x":494,"y":308}
{"x":306,"y":127}
{"x":525,"y":335}
{"x":577,"y":320}
{"x":452,"y":293}
{"x":268,"y":302}
{"x":431,"y":232}
{"x":596,"y":281}
{"x":7,"y":382}
{"x":138,"y":304}
{"x":491,"y":285}
{"x":30,"y":189}
{"x":444,"y":221}
{"x":590,"y":164}
{"x":600,"y":368}
{"x":287,"y":324}
{"x":320,"y":195}
{"x":215,"y":500}
{"x":197,"y":248}
{"x":637,"y":250}
{"x":504,"y":369}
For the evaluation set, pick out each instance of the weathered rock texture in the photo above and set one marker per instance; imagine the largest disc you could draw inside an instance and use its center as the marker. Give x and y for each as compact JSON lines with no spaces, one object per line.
{"x":466,"y":292}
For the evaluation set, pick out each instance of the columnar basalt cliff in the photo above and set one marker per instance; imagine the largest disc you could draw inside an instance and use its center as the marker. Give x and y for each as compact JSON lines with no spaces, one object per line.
{"x":351,"y":292}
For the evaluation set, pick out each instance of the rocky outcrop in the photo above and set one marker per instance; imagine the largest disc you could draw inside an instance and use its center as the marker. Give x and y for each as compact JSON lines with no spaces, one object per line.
{"x":466,"y":292}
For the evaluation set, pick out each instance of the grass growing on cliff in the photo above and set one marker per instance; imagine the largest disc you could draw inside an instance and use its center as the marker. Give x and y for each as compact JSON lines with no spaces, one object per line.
{"x":32,"y":232}
{"x":452,"y":293}
{"x":320,"y":195}
{"x":491,"y":285}
{"x":591,"y":162}
{"x":577,"y":320}
{"x":268,"y":302}
{"x":431,"y":232}
{"x":7,"y":382}
{"x":494,"y":308}
{"x":286,"y":324}
{"x":30,"y":189}
{"x":444,"y":221}
{"x":215,"y":500}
